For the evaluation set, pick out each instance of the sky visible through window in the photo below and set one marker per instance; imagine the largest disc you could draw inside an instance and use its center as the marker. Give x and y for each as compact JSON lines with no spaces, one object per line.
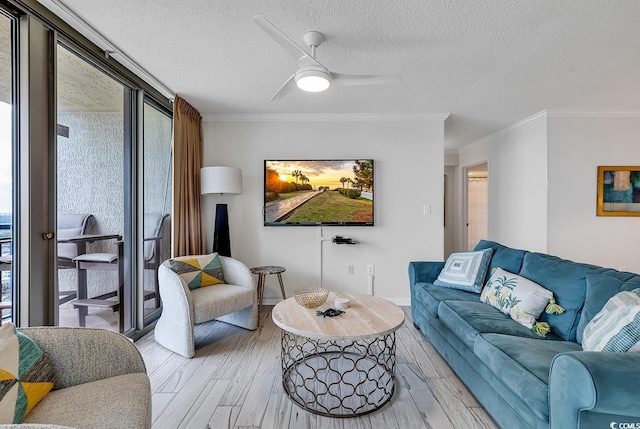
{"x":5,"y":158}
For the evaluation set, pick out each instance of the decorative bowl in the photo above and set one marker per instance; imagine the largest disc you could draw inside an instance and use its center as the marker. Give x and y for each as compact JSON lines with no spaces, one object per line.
{"x":311,"y":297}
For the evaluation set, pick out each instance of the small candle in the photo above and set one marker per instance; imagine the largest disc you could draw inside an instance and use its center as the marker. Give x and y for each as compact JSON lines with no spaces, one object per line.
{"x":342,"y":303}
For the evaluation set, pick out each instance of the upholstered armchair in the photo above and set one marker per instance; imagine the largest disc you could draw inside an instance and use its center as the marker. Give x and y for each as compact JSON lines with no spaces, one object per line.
{"x":102,"y":381}
{"x":233,"y":302}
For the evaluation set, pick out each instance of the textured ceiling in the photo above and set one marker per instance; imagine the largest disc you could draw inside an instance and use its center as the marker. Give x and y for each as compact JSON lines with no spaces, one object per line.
{"x":81,"y":86}
{"x":488,"y":63}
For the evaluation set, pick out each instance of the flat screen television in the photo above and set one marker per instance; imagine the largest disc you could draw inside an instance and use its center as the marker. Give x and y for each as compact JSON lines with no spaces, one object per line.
{"x":318,"y":192}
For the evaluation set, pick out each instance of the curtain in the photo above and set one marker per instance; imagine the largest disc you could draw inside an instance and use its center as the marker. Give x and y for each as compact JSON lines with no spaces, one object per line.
{"x":188,"y":229}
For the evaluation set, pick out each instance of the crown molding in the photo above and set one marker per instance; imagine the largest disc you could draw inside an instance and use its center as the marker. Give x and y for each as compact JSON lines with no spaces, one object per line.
{"x":562,"y":113}
{"x":326,"y":117}
{"x":511,"y":127}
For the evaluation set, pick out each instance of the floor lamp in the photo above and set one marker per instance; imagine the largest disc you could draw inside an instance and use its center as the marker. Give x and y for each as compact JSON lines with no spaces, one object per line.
{"x":221,"y":180}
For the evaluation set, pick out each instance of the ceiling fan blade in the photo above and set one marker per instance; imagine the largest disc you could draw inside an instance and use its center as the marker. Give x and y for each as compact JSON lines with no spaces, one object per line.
{"x":341,"y":79}
{"x":286,"y":88}
{"x":283,"y":40}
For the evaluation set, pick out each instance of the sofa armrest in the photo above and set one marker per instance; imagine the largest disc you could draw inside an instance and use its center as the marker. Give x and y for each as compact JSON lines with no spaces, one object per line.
{"x":422,"y":271}
{"x":602,"y":382}
{"x":82,"y":355}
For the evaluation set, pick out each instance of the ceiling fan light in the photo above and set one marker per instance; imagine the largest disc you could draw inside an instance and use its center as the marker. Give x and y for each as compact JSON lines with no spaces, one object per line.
{"x":313,"y":81}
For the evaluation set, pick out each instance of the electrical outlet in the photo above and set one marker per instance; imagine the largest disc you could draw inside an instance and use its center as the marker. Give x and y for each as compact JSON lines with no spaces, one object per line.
{"x":371,"y":269}
{"x":350,"y":269}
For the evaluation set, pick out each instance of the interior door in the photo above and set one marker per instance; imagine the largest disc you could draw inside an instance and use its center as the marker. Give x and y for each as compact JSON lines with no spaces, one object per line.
{"x":477,"y":204}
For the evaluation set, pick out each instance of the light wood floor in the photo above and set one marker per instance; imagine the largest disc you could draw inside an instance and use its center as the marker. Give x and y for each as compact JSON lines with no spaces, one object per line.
{"x":235,"y":382}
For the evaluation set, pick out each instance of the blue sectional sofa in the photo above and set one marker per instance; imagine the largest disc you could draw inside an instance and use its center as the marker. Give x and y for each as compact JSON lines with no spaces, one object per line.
{"x":523,"y":380}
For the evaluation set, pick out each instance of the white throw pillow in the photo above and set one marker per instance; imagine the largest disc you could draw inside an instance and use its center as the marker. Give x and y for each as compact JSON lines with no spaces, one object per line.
{"x":516,"y":296}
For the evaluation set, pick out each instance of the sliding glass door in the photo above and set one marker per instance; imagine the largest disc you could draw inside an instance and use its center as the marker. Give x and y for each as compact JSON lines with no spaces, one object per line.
{"x":85,"y":181}
{"x":92,"y":243}
{"x":7,"y":161}
{"x":156,"y":168}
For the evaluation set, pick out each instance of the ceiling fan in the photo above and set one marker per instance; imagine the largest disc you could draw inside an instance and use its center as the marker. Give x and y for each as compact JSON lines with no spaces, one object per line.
{"x":312,"y":76}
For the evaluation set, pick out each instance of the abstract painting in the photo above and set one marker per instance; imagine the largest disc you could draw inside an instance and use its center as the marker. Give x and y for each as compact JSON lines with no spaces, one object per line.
{"x":618,"y":191}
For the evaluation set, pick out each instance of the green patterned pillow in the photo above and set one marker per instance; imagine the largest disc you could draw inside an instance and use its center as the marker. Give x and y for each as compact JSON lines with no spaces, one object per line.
{"x":518,"y":297}
{"x":616,"y":328}
{"x":26,"y":375}
{"x":198,"y":271}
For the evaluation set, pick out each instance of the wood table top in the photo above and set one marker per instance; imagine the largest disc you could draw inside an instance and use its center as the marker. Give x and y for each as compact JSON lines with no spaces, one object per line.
{"x":368,"y":316}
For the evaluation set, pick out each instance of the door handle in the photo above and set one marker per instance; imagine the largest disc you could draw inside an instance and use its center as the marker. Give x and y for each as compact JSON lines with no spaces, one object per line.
{"x":47,"y":236}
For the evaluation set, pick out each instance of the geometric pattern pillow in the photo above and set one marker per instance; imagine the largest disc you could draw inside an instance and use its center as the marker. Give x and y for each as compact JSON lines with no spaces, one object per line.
{"x":198,"y":271}
{"x":616,"y":328}
{"x":516,"y":296}
{"x":465,"y":270}
{"x":26,"y":374}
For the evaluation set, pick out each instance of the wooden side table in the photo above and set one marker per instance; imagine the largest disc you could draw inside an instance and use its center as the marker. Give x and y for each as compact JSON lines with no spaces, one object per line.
{"x":262,"y":273}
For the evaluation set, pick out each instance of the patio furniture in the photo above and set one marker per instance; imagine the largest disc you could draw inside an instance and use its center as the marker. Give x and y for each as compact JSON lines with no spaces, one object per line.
{"x":153,"y":224}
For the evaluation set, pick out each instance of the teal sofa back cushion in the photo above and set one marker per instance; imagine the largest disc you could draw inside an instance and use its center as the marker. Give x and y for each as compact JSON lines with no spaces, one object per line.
{"x":567,"y":280}
{"x":601,"y":287}
{"x":504,"y":257}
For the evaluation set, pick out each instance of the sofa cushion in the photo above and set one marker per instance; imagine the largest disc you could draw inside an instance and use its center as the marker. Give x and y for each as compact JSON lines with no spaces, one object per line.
{"x":567,"y":280}
{"x":468,"y":319}
{"x":522,"y":364}
{"x":115,"y":402}
{"x":26,"y":374}
{"x":516,"y":296}
{"x":465,"y":270}
{"x":616,"y":328}
{"x":600,"y":288}
{"x":429,"y":295}
{"x":504,"y":257}
{"x":198,"y":271}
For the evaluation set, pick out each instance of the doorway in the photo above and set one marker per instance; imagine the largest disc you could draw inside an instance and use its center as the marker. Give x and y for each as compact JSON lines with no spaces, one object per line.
{"x":477,"y":206}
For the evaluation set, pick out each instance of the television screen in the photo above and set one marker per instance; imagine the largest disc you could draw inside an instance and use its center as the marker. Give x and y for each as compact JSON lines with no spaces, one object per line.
{"x":318,"y":192}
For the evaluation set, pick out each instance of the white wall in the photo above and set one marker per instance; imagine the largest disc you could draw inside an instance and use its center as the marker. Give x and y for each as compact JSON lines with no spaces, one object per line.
{"x":408,"y":161}
{"x":517,"y":165}
{"x":578,"y":144}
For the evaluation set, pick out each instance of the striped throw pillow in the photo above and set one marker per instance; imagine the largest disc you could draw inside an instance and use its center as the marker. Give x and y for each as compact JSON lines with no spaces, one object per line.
{"x":465,"y":270}
{"x":616,"y":328}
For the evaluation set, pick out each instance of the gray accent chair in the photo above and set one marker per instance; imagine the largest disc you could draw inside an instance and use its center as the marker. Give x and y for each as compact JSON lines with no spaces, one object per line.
{"x":234,"y":302}
{"x":103,"y":381}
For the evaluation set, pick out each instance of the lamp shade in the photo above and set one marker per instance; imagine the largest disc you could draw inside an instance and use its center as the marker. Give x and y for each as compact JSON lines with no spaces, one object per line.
{"x":221,"y":180}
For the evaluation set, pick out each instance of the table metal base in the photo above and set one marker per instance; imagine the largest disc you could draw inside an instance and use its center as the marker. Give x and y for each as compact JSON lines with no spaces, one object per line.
{"x":339,"y":378}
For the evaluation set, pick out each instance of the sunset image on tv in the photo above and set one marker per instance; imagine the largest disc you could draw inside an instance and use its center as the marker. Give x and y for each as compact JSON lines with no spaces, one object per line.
{"x":333,"y":192}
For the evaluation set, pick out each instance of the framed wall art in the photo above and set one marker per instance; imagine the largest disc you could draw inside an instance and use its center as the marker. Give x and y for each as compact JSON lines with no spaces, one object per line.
{"x":618,"y":191}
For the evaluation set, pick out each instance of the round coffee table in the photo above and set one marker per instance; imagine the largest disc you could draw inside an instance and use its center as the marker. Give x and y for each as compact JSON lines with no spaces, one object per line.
{"x":342,"y":366}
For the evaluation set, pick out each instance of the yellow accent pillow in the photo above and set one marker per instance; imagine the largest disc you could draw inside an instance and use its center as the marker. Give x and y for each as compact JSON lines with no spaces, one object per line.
{"x":26,"y":375}
{"x":198,"y":271}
